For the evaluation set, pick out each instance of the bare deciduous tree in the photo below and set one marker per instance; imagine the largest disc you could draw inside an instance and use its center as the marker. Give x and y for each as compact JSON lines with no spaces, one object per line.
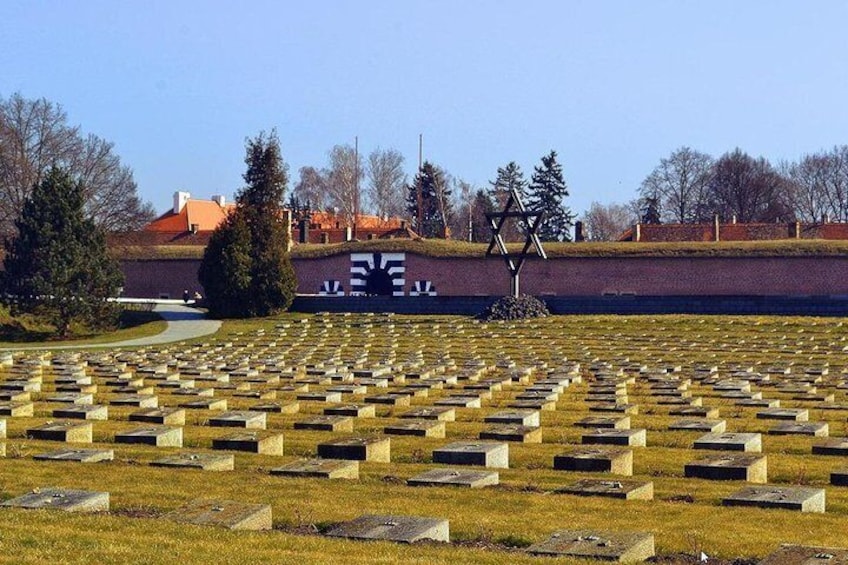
{"x":749,"y":189}
{"x":344,"y":177}
{"x":34,"y":136}
{"x":387,"y":182}
{"x":679,"y":184}
{"x":311,"y":188}
{"x":606,"y":222}
{"x":819,"y":185}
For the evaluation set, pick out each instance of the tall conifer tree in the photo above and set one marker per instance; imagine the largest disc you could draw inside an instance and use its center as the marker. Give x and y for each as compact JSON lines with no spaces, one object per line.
{"x":548,"y":193}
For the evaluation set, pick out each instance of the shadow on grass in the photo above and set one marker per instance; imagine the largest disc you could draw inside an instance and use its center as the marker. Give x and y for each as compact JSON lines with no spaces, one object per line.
{"x":29,"y":329}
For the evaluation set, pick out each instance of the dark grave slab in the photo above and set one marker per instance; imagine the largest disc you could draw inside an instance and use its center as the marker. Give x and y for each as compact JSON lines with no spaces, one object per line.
{"x":632,"y":437}
{"x":543,"y":405}
{"x":201,"y":461}
{"x":83,"y":412}
{"x":61,"y":499}
{"x":205,"y":404}
{"x":695,"y":412}
{"x":513,"y":432}
{"x":224,"y":513}
{"x":630,"y":409}
{"x":162,"y":416}
{"x":595,"y":544}
{"x":730,"y":467}
{"x":137,"y":400}
{"x":326,"y":424}
{"x":596,"y":459}
{"x":699,"y":425}
{"x":459,"y":401}
{"x":789,"y":414}
{"x":623,"y":489}
{"x":79,"y":389}
{"x":252,"y":442}
{"x":256,"y":394}
{"x":376,"y":449}
{"x":349,"y":389}
{"x":132,"y":390}
{"x":77,"y":455}
{"x":669,"y":401}
{"x":538,"y":395}
{"x":832,"y":446}
{"x":71,"y":432}
{"x":320,"y":468}
{"x":804,"y":499}
{"x":455,"y":477}
{"x":758,"y":403}
{"x":194,"y":392}
{"x":485,"y":454}
{"x":815,"y":429}
{"x":839,"y":478}
{"x":158,"y":436}
{"x":240,"y":419}
{"x":21,"y":386}
{"x":605,"y":422}
{"x":807,"y":555}
{"x":515,"y":417}
{"x":353,"y":410}
{"x":320,"y":396}
{"x":441,"y":413}
{"x":420,"y":428}
{"x":388,"y":399}
{"x":746,"y":442}
{"x":277,"y":407}
{"x":404,"y":529}
{"x":7,"y":396}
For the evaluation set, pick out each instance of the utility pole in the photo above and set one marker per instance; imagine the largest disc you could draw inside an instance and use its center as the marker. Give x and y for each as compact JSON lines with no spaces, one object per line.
{"x":355,"y":183}
{"x":419,"y":222}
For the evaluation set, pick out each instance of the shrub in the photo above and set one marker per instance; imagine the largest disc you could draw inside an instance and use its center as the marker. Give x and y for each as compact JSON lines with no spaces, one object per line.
{"x":516,"y":308}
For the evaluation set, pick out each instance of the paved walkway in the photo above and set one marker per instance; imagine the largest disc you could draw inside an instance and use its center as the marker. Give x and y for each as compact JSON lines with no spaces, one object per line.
{"x":183,"y":323}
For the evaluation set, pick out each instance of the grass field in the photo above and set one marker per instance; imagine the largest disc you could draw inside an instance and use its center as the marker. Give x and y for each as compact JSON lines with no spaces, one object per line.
{"x":491,"y":525}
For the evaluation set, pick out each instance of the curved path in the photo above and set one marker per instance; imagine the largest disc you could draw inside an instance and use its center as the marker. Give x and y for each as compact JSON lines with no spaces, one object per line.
{"x":183,"y":323}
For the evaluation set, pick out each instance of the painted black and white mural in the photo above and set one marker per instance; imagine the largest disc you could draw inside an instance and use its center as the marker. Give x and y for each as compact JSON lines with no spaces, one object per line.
{"x":423,"y":288}
{"x":331,"y":288}
{"x":377,"y":274}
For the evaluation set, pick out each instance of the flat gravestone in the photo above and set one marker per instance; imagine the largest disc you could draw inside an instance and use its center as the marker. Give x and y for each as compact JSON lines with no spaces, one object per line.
{"x":320,"y":468}
{"x":77,"y":455}
{"x":815,"y":429}
{"x":695,"y":412}
{"x":71,"y":432}
{"x":485,"y":454}
{"x":240,"y":419}
{"x":158,"y":436}
{"x":605,"y":422}
{"x":623,"y":489}
{"x":376,"y":449}
{"x":2,"y":429}
{"x":629,"y":409}
{"x":515,"y":417}
{"x":277,"y":407}
{"x":326,"y":424}
{"x":699,"y":425}
{"x":594,"y":544}
{"x":832,"y":446}
{"x":459,"y":401}
{"x":730,"y":467}
{"x":790,"y":414}
{"x":542,"y":405}
{"x":632,"y":438}
{"x":162,"y":416}
{"x":205,"y":404}
{"x":745,"y":442}
{"x":201,"y":461}
{"x":420,"y":428}
{"x":14,"y":396}
{"x":596,"y":459}
{"x":839,"y":478}
{"x":83,"y":412}
{"x":804,"y":499}
{"x":137,"y":400}
{"x":353,"y":410}
{"x":320,"y":396}
{"x":62,"y":499}
{"x":71,"y":398}
{"x":225,"y":514}
{"x":807,"y":555}
{"x":513,"y":432}
{"x":444,"y":413}
{"x":455,"y":477}
{"x":404,"y":529}
{"x":253,"y":442}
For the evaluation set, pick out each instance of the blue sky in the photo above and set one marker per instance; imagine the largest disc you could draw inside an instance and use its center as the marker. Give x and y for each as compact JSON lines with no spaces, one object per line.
{"x":612,"y":86}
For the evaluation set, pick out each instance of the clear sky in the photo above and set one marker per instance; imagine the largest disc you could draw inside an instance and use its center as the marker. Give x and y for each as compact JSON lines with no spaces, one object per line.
{"x":612,"y":86}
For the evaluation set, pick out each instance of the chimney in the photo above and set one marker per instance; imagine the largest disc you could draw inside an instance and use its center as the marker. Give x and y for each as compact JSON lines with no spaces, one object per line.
{"x":733,"y":219}
{"x":304,"y":231}
{"x":220,"y":200}
{"x":578,"y":232}
{"x":180,"y":199}
{"x":716,"y":224}
{"x":637,"y":232}
{"x":348,"y":234}
{"x":194,"y":228}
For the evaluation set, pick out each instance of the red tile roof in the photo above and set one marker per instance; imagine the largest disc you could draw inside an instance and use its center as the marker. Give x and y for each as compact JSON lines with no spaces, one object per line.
{"x":205,"y":214}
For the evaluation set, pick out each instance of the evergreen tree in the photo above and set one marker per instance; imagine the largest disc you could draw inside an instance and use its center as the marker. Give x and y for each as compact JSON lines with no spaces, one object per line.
{"x":547,"y":193}
{"x":481,"y":230}
{"x":509,"y":177}
{"x":57,"y":265}
{"x":436,"y":205}
{"x":651,"y":213}
{"x":246,"y":270}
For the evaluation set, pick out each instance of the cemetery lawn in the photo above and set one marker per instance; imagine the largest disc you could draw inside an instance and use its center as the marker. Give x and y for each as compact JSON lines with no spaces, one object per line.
{"x":133,"y":323}
{"x":490,"y":525}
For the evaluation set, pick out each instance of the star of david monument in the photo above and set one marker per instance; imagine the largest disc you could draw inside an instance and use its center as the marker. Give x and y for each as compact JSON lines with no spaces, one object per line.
{"x":529,"y":222}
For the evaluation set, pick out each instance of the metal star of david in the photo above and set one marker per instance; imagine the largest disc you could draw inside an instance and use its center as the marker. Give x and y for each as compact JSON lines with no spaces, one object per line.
{"x":530,"y":220}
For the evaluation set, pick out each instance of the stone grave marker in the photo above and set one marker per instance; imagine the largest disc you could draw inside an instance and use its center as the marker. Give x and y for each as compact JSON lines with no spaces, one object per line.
{"x":71,"y":432}
{"x":205,"y":404}
{"x":374,"y":449}
{"x":605,"y":422}
{"x":515,"y":417}
{"x":485,"y":454}
{"x":240,"y":419}
{"x":71,"y":398}
{"x":804,"y":499}
{"x":746,"y":442}
{"x":595,"y":544}
{"x":832,"y":446}
{"x":325,"y":396}
{"x":632,"y":437}
{"x":420,"y":428}
{"x":389,"y":399}
{"x":623,"y":489}
{"x":806,"y":555}
{"x":202,"y":461}
{"x":699,"y":425}
{"x":83,"y":412}
{"x":224,"y":513}
{"x":158,"y":436}
{"x":353,"y":410}
{"x":513,"y":432}
{"x":815,"y":429}
{"x":404,"y":529}
{"x":729,"y":467}
{"x":596,"y":459}
{"x":137,"y":400}
{"x":7,"y":396}
{"x":627,"y":409}
{"x":2,"y":429}
{"x":61,"y":499}
{"x":162,"y":416}
{"x":277,"y":407}
{"x":455,"y":477}
{"x":77,"y":455}
{"x":252,"y":442}
{"x":695,"y":412}
{"x":441,"y":413}
{"x":790,"y":414}
{"x":320,"y":468}
{"x":326,"y":424}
